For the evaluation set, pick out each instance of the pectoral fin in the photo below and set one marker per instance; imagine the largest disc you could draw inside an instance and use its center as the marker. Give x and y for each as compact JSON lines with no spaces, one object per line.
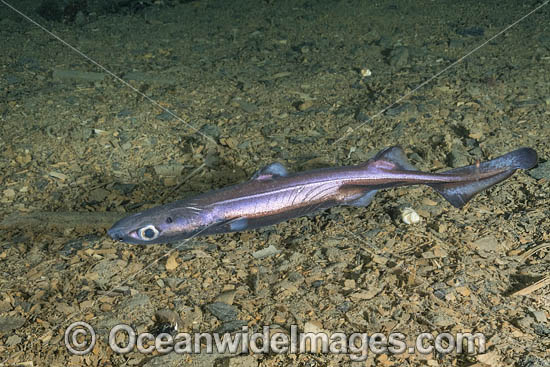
{"x":357,"y":195}
{"x":234,"y":225}
{"x":364,"y":200}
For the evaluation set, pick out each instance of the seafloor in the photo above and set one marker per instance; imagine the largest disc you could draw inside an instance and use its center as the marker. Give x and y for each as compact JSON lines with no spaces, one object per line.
{"x":306,"y":83}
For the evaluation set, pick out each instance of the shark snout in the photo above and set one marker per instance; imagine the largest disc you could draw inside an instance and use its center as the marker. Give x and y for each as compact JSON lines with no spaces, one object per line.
{"x":115,"y":233}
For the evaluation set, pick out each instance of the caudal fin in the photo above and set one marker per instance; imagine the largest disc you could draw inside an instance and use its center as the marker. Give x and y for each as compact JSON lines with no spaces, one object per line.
{"x":459,"y":193}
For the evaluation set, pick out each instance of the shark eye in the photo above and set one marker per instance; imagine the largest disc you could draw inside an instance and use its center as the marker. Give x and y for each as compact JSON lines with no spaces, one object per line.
{"x":148,"y":233}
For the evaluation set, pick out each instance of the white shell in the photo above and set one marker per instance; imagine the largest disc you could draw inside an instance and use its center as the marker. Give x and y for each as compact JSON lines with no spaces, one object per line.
{"x":409,"y":216}
{"x":365,"y":72}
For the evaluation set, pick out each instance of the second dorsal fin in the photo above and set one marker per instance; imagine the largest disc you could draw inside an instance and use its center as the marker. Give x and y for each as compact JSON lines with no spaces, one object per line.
{"x":397,"y":156}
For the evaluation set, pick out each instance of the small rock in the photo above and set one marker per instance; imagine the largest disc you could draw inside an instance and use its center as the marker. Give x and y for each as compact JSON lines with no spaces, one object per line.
{"x":457,"y":157}
{"x":490,"y":359}
{"x":540,"y":316}
{"x":124,"y":188}
{"x":525,"y":323}
{"x":305,"y":105}
{"x":541,"y":330}
{"x":135,"y":308}
{"x":266,"y":252}
{"x":173,"y":283}
{"x":171,"y":262}
{"x":471,"y":31}
{"x":542,"y":171}
{"x":226,"y":297}
{"x":222,"y":311}
{"x":399,"y":109}
{"x":399,"y":57}
{"x":366,"y":295}
{"x":361,"y":116}
{"x":98,"y":195}
{"x":165,"y":116}
{"x":463,"y":291}
{"x":10,"y":323}
{"x":442,"y":320}
{"x":231,"y":326}
{"x":349,"y":283}
{"x":245,"y":361}
{"x":313,"y":326}
{"x":530,"y":360}
{"x":104,"y":270}
{"x":168,"y":170}
{"x":13,"y":340}
{"x":5,"y":306}
{"x":456,"y":43}
{"x":344,"y":306}
{"x":9,"y":194}
{"x":211,"y":130}
{"x":488,"y":244}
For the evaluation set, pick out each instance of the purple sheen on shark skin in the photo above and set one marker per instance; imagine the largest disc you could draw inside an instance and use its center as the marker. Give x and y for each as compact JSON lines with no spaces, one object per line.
{"x":273,"y":195}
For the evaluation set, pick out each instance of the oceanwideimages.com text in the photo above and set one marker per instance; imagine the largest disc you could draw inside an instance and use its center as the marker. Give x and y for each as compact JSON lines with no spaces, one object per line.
{"x":80,"y":339}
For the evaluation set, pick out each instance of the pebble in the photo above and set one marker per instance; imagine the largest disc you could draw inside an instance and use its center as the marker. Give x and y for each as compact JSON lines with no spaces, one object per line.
{"x":525,"y":323}
{"x":442,"y":320}
{"x":471,"y":31}
{"x":266,"y":252}
{"x":226,"y":297}
{"x":165,"y":116}
{"x":222,"y":311}
{"x":168,"y":170}
{"x":399,"y":109}
{"x":487,"y":244}
{"x":98,"y":195}
{"x":211,"y":130}
{"x":399,"y":57}
{"x":104,"y":270}
{"x":9,"y":323}
{"x":365,"y":294}
{"x":137,"y":306}
{"x":542,"y":171}
{"x":361,"y":116}
{"x":13,"y":340}
{"x":457,"y":157}
{"x":305,"y":105}
{"x":245,"y":361}
{"x":171,"y":262}
{"x":540,"y":316}
{"x":456,"y":43}
{"x":82,"y":76}
{"x":231,"y":326}
{"x":9,"y":194}
{"x":531,"y":360}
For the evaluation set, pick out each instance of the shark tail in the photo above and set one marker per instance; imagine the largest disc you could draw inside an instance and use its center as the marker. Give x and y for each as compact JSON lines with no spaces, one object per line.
{"x":477,"y":176}
{"x":459,"y":193}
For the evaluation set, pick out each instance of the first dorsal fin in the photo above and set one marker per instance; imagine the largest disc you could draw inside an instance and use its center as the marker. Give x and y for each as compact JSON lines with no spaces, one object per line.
{"x":397,"y":156}
{"x":270,"y":171}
